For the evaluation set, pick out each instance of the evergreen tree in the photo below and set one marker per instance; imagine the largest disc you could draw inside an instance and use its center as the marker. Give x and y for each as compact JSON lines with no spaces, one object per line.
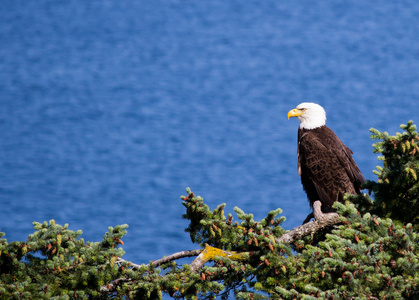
{"x":371,"y":251}
{"x":397,"y":189}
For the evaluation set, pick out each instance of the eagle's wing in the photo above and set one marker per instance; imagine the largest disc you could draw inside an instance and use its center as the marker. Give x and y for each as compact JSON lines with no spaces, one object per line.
{"x":326,"y":167}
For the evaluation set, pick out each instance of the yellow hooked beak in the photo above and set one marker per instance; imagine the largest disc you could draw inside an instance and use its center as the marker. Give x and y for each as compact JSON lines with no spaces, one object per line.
{"x":295,"y":113}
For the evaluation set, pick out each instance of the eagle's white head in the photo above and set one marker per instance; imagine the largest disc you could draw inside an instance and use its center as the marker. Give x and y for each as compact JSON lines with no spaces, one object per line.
{"x":310,"y":115}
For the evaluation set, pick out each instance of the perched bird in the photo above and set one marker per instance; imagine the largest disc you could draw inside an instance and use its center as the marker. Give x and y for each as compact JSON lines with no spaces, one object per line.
{"x":325,"y":164}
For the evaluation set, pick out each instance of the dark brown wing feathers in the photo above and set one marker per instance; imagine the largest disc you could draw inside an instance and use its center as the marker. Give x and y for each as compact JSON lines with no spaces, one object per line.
{"x":326,"y":167}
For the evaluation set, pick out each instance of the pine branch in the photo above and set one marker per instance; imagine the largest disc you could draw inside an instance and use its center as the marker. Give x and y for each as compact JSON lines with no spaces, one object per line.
{"x":209,"y":253}
{"x":177,"y":255}
{"x":321,"y":221}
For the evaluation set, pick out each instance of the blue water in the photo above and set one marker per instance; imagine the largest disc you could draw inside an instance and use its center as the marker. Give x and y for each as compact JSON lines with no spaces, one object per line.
{"x":110,"y":109}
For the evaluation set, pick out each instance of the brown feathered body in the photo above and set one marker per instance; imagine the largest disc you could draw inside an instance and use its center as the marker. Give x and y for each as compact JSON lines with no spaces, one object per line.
{"x":326,"y":167}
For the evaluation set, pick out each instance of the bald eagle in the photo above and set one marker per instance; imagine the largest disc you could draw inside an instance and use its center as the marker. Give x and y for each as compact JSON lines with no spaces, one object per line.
{"x":325,"y":164}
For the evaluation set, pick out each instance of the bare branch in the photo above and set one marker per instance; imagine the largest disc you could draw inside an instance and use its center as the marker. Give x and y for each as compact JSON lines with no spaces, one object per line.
{"x":156,"y":263}
{"x":176,"y":255}
{"x":113,"y":285}
{"x":198,"y":262}
{"x":321,"y":221}
{"x":128,"y":263}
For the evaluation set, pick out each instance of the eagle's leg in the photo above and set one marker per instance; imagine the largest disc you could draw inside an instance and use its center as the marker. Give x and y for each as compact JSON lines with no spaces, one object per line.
{"x":317,"y":213}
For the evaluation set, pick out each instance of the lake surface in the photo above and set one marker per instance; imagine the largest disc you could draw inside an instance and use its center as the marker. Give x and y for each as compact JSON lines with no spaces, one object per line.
{"x":110,"y":109}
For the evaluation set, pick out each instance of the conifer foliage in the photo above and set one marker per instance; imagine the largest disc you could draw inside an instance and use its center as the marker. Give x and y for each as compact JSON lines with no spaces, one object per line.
{"x":373,"y":253}
{"x":397,"y":189}
{"x":54,"y":261}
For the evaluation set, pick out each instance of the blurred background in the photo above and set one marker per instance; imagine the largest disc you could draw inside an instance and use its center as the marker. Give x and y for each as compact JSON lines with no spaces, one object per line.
{"x":110,"y":109}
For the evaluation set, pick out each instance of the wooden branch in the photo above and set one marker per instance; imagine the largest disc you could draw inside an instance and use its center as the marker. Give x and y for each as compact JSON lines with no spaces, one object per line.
{"x":120,"y":261}
{"x":321,"y":221}
{"x":177,"y":255}
{"x":156,"y":263}
{"x":113,"y":285}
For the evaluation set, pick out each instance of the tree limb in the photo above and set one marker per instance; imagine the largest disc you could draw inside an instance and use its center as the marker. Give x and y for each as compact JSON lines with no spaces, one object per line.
{"x":176,"y":255}
{"x":113,"y":285}
{"x":156,"y":263}
{"x":321,"y":221}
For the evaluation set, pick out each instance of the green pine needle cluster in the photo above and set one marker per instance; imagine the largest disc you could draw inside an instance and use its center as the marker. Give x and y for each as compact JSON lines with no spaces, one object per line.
{"x":212,"y":227}
{"x":397,"y":188}
{"x":54,"y":261}
{"x":372,"y":254}
{"x":363,"y":258}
